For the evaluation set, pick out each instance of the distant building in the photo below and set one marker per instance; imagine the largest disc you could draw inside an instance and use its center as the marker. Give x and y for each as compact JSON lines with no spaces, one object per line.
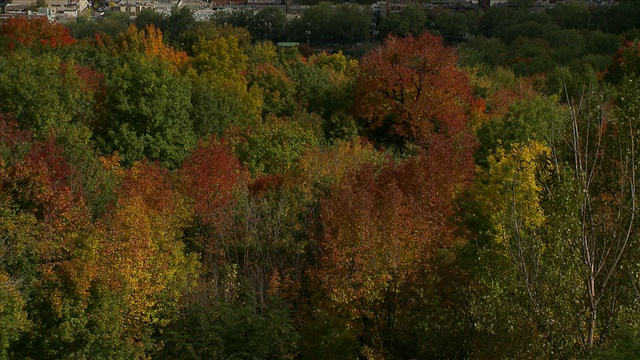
{"x":61,"y":9}
{"x":264,"y":3}
{"x":203,"y":14}
{"x":228,"y":2}
{"x":131,"y":9}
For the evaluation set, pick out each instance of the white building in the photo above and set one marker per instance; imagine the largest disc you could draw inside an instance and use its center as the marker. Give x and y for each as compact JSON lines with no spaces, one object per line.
{"x":60,"y":8}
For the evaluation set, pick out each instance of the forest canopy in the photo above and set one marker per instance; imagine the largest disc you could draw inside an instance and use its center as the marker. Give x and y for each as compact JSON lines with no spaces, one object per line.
{"x":460,"y":185}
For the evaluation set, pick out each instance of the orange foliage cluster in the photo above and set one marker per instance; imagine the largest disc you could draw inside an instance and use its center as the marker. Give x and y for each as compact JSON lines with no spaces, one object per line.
{"x":42,"y":182}
{"x":148,"y":42}
{"x":142,"y":254}
{"x":499,"y":100}
{"x":412,"y":88}
{"x":383,"y":225}
{"x":210,"y":174}
{"x":35,"y":32}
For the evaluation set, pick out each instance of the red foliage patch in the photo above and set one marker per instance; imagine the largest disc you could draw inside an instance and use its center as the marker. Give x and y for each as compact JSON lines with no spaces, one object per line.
{"x":411,"y":87}
{"x":626,"y":61}
{"x":211,"y":173}
{"x":35,"y":32}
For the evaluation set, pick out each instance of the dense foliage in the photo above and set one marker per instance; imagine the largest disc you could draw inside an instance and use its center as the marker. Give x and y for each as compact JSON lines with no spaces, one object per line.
{"x":175,"y":189}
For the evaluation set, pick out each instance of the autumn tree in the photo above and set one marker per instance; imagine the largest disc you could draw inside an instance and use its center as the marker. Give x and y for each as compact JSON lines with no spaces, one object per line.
{"x":211,"y":174}
{"x":38,"y":32}
{"x":61,"y":99}
{"x":323,"y":169}
{"x":264,"y":240}
{"x":95,"y":288}
{"x":53,"y":251}
{"x":625,"y":62}
{"x":143,"y":261}
{"x":380,"y":232}
{"x":561,"y":209}
{"x":410,"y":90}
{"x":220,"y":94}
{"x":409,"y":94}
{"x":247,"y":238}
{"x":150,"y":43}
{"x":222,"y":54}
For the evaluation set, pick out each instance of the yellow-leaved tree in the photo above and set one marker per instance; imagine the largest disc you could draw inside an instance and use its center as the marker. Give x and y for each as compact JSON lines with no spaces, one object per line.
{"x":144,"y":260}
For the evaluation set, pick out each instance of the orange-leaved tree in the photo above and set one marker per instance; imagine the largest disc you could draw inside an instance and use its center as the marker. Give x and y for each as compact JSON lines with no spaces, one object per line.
{"x":211,"y":177}
{"x":39,"y":31}
{"x":148,"y":42}
{"x":380,"y":231}
{"x":49,"y":244}
{"x":144,"y":258}
{"x":410,"y":89}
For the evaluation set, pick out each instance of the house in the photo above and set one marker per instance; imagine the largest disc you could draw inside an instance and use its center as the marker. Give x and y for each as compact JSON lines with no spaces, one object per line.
{"x":131,"y":9}
{"x":62,"y":9}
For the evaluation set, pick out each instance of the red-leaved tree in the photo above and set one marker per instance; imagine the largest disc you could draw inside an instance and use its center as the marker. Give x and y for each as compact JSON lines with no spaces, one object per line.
{"x":380,"y":232}
{"x":410,"y":89}
{"x":39,"y":31}
{"x":210,"y":175}
{"x":625,"y":62}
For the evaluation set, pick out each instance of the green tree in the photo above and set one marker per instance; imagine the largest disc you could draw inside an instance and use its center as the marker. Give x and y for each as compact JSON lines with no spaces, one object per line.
{"x":534,"y":315}
{"x":349,"y":24}
{"x":242,"y":18}
{"x":323,"y":82}
{"x":411,"y":21}
{"x":332,"y":24}
{"x":148,"y":109}
{"x":275,"y":145}
{"x":567,"y":45}
{"x":617,"y":19}
{"x":270,"y":24}
{"x":317,"y":20}
{"x":150,"y":17}
{"x":525,"y":120}
{"x":112,"y":24}
{"x":561,"y":230}
{"x":45,"y":94}
{"x":179,"y":23}
{"x":278,"y":90}
{"x":571,"y":16}
{"x":221,"y":329}
{"x":218,"y":102}
{"x":16,"y":231}
{"x":453,"y":26}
